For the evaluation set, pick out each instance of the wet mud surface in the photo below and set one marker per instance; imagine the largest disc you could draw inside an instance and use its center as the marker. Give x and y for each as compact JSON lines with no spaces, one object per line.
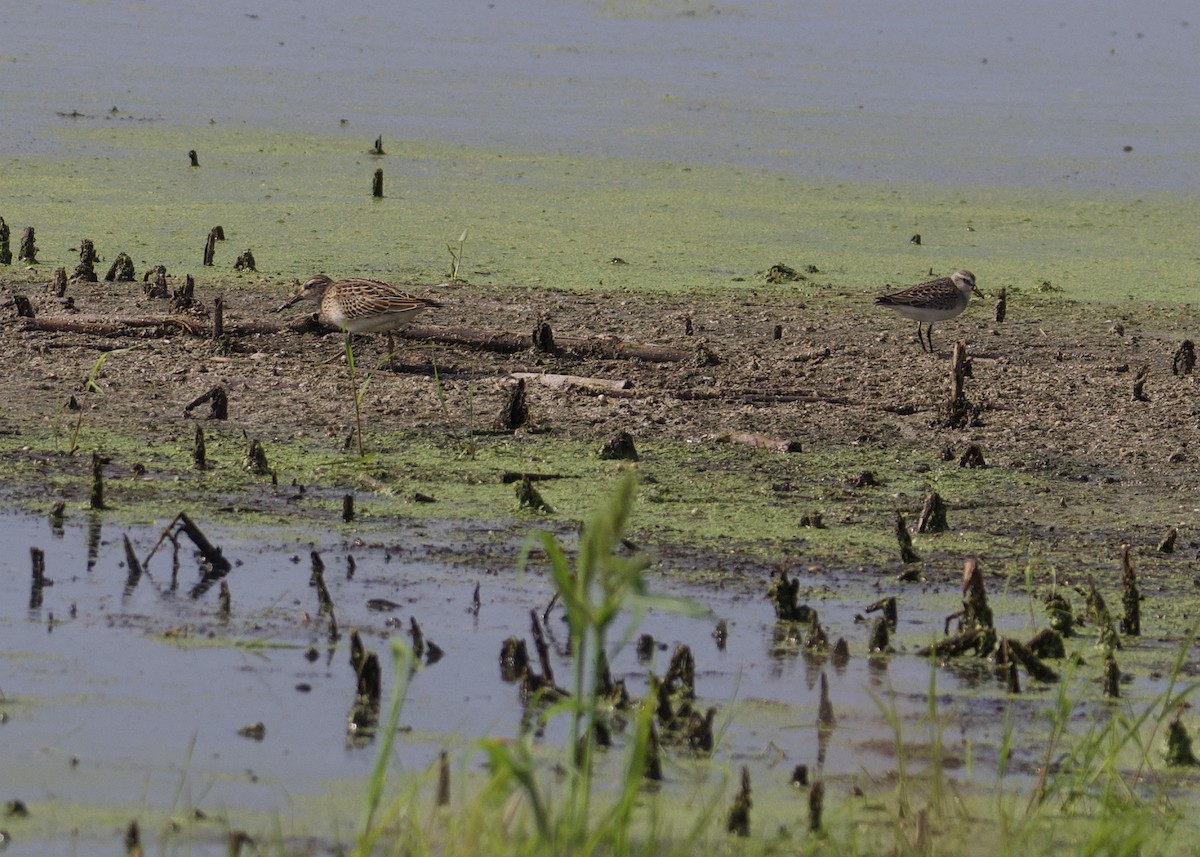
{"x":1079,"y":455}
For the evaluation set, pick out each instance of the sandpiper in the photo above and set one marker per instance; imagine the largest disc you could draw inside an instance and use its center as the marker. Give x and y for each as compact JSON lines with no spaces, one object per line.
{"x":936,"y":300}
{"x":361,"y":306}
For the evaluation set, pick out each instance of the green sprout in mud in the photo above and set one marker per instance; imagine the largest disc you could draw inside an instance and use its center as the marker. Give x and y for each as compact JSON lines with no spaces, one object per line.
{"x":456,"y":256}
{"x":89,"y":386}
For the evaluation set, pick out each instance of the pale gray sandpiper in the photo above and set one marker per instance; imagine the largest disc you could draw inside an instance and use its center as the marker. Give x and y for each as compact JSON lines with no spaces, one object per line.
{"x":936,"y":300}
{"x":361,"y":306}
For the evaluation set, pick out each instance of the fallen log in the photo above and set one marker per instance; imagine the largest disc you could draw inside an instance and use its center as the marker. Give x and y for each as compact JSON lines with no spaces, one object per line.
{"x":482,"y":340}
{"x":562,"y":382}
{"x":147,"y":326}
{"x":758,"y":441}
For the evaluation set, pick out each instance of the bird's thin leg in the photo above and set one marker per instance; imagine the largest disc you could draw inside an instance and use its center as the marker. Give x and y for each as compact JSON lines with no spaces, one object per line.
{"x":920,"y":335}
{"x":929,"y":336}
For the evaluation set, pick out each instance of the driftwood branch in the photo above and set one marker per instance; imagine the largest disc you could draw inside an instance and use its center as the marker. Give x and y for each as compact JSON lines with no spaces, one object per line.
{"x":566,"y":382}
{"x":145,"y":326}
{"x":482,"y":340}
{"x":758,"y":441}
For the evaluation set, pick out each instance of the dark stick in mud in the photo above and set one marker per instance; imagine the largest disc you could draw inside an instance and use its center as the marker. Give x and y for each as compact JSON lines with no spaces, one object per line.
{"x":738,"y":821}
{"x":933,"y":515}
{"x":211,"y":554}
{"x":348,"y":508}
{"x":543,"y":650}
{"x":907,"y":553}
{"x":199,"y":453}
{"x":38,"y":557}
{"x":958,"y":409}
{"x":1131,"y":622}
{"x":193,"y":158}
{"x":96,"y":498}
{"x":443,"y":789}
{"x":210,"y":249}
{"x":377,"y":184}
{"x":133,"y":568}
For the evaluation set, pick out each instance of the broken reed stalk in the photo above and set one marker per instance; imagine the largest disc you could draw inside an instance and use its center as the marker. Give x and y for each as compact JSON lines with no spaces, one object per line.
{"x":211,"y":554}
{"x":225,"y":600}
{"x":38,"y":558}
{"x":826,"y":719}
{"x":515,"y":411}
{"x":907,"y":553}
{"x":210,"y":249}
{"x":1131,"y":622}
{"x":317,"y":579}
{"x":816,"y":804}
{"x":133,"y":568}
{"x":377,"y":184}
{"x":96,"y":499}
{"x":738,"y":821}
{"x":418,"y":638}
{"x":1139,"y":385}
{"x":933,"y":515}
{"x":348,"y":508}
{"x":976,"y":611}
{"x":443,"y":789}
{"x":1001,"y":305}
{"x":199,"y":452}
{"x":958,"y":409}
{"x":1112,"y":677}
{"x":543,"y":650}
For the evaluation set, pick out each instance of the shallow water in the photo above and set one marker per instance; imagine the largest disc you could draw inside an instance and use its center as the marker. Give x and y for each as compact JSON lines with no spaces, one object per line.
{"x":113,"y":696}
{"x":1023,"y":94}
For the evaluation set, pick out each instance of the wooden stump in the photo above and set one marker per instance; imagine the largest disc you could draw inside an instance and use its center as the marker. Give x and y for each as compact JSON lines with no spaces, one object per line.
{"x":28,"y":251}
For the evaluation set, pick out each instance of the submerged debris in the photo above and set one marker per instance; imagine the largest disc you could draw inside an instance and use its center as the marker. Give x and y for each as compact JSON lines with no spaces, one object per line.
{"x":784,"y":593}
{"x":1179,"y":743}
{"x":1112,"y":677}
{"x":1058,"y":610}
